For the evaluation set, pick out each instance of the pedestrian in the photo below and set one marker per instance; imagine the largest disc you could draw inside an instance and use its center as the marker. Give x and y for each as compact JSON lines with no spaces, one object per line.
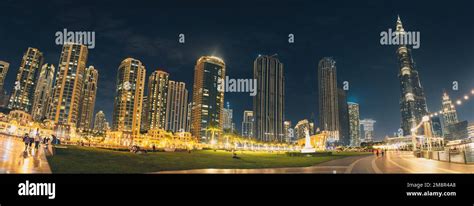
{"x":37,"y":140}
{"x":26,"y":140}
{"x":154,"y":148}
{"x":54,"y":141}
{"x":31,"y":139}
{"x":382,"y":152}
{"x":377,"y":152}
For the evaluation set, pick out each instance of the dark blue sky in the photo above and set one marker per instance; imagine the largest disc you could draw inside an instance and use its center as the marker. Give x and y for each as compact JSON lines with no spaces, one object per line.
{"x":238,"y":31}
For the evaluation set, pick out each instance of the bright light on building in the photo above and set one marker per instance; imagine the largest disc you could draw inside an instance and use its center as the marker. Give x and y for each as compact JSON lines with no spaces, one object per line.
{"x":458,"y":102}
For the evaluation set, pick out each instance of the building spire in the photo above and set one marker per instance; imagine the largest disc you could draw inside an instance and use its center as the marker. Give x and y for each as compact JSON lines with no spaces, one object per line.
{"x":399,"y":24}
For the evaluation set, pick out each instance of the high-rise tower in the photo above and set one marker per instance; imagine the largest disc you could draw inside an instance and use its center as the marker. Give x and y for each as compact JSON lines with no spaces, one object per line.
{"x":269,"y":103}
{"x":328,"y":98}
{"x":208,"y":101}
{"x":24,"y":89}
{"x":89,"y":92}
{"x":412,"y":100}
{"x":69,"y":85}
{"x":129,"y":97}
{"x":43,"y":92}
{"x":177,"y":107}
{"x":157,"y":99}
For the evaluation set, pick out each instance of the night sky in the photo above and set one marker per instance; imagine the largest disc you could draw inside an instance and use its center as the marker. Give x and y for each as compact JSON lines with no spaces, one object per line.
{"x":238,"y":32}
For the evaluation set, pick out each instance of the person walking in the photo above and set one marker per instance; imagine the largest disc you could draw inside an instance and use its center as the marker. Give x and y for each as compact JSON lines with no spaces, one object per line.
{"x":377,"y":152}
{"x":37,"y":140}
{"x":26,"y":140}
{"x":383,"y":152}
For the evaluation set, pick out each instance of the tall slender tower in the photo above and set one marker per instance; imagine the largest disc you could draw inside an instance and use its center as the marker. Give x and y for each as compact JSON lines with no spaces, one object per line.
{"x":269,"y":103}
{"x":354,"y":124}
{"x":89,"y":92}
{"x":157,"y":96}
{"x":3,"y":73}
{"x":412,"y":99}
{"x":450,"y":115}
{"x":24,"y":90}
{"x":247,"y":124}
{"x":100,"y":123}
{"x":69,"y":84}
{"x":328,"y":98}
{"x":177,"y":107}
{"x":43,"y":92}
{"x":208,"y":101}
{"x":129,"y":97}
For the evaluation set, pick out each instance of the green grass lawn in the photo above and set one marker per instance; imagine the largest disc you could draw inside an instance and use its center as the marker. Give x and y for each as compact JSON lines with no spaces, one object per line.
{"x":75,"y":159}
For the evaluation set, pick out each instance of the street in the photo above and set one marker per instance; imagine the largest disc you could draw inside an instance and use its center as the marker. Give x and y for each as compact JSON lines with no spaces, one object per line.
{"x":395,"y":162}
{"x":14,"y":159}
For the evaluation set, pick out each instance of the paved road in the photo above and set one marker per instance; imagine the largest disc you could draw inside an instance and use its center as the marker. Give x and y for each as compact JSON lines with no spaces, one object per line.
{"x":14,"y":158}
{"x":393,"y":162}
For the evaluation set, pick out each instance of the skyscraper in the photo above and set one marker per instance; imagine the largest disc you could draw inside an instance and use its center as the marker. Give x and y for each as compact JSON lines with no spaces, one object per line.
{"x":344,"y":136}
{"x":177,"y":107}
{"x":129,"y":97}
{"x":188,"y":116}
{"x":368,"y":128}
{"x":4,"y":97}
{"x":247,"y":124}
{"x":24,"y":89}
{"x":157,"y":97}
{"x":412,"y":99}
{"x":100,"y":123}
{"x":328,"y":98}
{"x":69,"y":85}
{"x":3,"y":73}
{"x":450,"y":115}
{"x":437,"y":126}
{"x":269,"y":102}
{"x":354,"y":124}
{"x":89,"y":92}
{"x":289,"y":132}
{"x":208,"y":101}
{"x":144,"y":120}
{"x":43,"y":93}
{"x":228,"y":124}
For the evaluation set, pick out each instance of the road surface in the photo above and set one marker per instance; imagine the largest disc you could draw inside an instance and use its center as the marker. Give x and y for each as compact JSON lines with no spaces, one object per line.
{"x":14,"y":158}
{"x":395,"y":162}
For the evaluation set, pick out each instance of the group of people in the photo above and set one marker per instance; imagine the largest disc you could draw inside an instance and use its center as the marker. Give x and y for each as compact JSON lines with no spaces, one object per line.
{"x":377,"y":152}
{"x":34,"y":137}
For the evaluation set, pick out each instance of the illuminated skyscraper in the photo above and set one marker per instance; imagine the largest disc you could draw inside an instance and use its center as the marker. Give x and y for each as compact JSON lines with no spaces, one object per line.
{"x":368,"y":129}
{"x":157,"y":97}
{"x":144,"y":121}
{"x":177,"y":107}
{"x":129,"y":97}
{"x":354,"y":124}
{"x":3,"y":73}
{"x":289,"y":132}
{"x":247,"y":124}
{"x":269,"y":102}
{"x":412,"y":99}
{"x":344,"y":133}
{"x":228,"y":124}
{"x":328,"y":98}
{"x":43,"y":93}
{"x":24,"y":89}
{"x":100,"y":123}
{"x":208,"y":101}
{"x":450,"y":115}
{"x":69,"y":85}
{"x":89,"y":92}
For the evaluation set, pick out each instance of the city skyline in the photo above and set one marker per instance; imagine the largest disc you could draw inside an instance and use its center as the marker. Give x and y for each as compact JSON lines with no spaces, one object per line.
{"x":364,"y":95}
